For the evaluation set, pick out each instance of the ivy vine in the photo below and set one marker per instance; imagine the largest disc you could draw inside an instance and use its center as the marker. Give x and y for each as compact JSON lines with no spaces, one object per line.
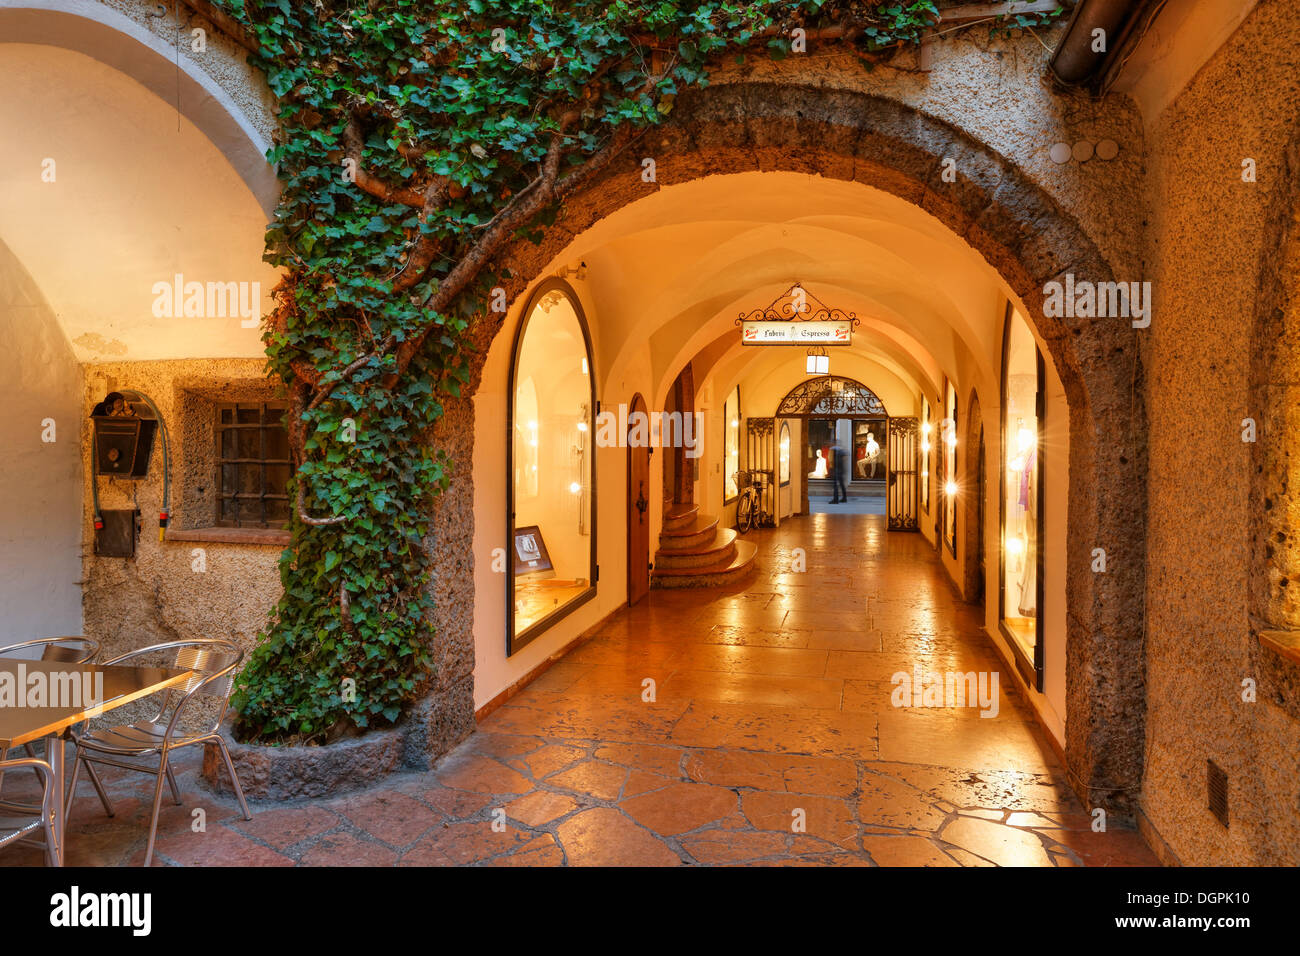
{"x":417,"y":138}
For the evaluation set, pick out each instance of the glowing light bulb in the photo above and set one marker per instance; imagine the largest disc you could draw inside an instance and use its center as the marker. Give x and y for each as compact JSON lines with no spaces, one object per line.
{"x":925,"y":428}
{"x":1025,"y":440}
{"x":735,"y":423}
{"x":1015,"y":546}
{"x":575,"y":487}
{"x":925,"y":445}
{"x":951,"y":489}
{"x":582,"y":426}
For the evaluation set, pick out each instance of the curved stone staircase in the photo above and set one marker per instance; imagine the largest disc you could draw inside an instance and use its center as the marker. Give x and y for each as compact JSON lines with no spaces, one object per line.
{"x":695,"y":553}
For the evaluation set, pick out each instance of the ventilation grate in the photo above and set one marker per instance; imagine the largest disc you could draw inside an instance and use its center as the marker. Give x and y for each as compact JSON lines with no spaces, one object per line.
{"x":1217,"y":790}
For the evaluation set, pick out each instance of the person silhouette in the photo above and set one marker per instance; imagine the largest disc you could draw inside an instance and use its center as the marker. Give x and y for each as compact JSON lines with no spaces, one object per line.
{"x":839,"y":468}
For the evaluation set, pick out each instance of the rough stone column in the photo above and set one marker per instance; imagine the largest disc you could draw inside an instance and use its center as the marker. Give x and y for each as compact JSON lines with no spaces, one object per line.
{"x":444,"y":713}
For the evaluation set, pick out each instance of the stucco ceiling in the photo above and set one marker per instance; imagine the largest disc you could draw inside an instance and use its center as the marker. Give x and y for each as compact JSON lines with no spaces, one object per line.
{"x":674,"y":270}
{"x":139,"y":196}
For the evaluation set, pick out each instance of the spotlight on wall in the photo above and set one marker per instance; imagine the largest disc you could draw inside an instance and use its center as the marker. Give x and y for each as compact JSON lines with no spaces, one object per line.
{"x":578,"y":272}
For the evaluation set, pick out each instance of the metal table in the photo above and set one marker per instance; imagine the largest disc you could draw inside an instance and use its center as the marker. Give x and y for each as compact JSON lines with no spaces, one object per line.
{"x":23,"y":724}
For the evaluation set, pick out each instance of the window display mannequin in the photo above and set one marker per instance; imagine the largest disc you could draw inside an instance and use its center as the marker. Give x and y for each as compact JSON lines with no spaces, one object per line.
{"x":819,"y":469}
{"x":1028,"y":507}
{"x":870,"y":456}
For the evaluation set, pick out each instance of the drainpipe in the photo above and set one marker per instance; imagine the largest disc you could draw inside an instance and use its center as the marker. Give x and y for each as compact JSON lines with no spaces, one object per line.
{"x":1075,"y":63}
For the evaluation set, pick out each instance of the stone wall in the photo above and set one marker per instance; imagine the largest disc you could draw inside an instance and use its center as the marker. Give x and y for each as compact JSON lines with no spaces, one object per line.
{"x":1221,"y":535}
{"x":158,"y":595}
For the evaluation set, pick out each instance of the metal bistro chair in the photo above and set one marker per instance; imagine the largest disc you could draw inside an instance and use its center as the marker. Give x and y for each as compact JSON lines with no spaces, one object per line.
{"x":64,"y":650}
{"x":20,"y":822}
{"x":213,"y":662}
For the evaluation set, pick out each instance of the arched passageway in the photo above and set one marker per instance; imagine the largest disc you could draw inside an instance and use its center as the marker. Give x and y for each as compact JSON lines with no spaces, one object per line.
{"x":1018,"y":237}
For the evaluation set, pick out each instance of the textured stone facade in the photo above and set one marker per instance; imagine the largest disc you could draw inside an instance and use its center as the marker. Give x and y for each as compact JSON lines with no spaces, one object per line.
{"x":1221,"y":541}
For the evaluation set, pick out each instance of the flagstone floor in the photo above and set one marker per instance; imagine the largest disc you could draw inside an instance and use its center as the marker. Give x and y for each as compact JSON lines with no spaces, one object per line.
{"x":771,"y":739}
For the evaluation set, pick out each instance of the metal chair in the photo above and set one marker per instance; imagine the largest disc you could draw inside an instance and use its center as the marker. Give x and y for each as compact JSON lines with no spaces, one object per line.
{"x":64,"y":650}
{"x":214,"y":663}
{"x":20,"y":822}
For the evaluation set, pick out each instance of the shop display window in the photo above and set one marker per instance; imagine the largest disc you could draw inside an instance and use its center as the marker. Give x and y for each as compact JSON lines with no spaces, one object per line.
{"x":948,"y":440}
{"x":927,"y":455}
{"x":1022,"y":384}
{"x":551,"y":545}
{"x":731,"y":423}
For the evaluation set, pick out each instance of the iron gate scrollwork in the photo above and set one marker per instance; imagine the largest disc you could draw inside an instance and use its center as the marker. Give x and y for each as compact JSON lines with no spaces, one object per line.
{"x":760,"y":456}
{"x":830,"y":396}
{"x":903,"y":485}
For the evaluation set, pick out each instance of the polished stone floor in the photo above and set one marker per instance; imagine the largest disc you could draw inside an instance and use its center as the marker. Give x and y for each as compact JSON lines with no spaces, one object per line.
{"x":765,"y":736}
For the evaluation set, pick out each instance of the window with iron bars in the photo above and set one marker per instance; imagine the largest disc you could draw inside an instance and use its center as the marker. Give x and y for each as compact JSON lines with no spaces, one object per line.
{"x":253,"y":465}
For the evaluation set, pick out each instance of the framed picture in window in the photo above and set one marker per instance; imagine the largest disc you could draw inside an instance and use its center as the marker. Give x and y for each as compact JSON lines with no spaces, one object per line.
{"x":531,"y":555}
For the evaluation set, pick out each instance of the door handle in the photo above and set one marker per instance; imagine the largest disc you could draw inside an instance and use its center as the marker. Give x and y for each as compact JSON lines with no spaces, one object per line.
{"x":641,"y":503}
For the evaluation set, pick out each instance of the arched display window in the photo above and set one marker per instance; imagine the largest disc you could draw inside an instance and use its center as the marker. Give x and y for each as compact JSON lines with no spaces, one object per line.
{"x":948,"y":467}
{"x":731,"y":446}
{"x":1021,"y":590}
{"x":927,"y":426}
{"x":550,"y":455}
{"x":784,"y":452}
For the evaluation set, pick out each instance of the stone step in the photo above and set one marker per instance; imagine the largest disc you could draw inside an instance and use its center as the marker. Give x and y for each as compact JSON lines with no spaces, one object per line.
{"x":679,"y":516}
{"x":699,"y":531}
{"x":721,"y":548}
{"x":741,"y":565}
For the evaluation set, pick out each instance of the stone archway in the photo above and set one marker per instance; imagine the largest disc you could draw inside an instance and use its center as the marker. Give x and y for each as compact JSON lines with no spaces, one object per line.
{"x":126,"y":44}
{"x":1022,"y":234}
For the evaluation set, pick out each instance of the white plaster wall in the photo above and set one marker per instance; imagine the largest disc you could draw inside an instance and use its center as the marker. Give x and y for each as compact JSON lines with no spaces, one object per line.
{"x":40,"y":482}
{"x":494,"y":672}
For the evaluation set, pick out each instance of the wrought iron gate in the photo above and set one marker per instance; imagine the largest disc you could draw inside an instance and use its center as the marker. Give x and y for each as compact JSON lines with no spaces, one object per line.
{"x":903,"y":486}
{"x":760,"y":456}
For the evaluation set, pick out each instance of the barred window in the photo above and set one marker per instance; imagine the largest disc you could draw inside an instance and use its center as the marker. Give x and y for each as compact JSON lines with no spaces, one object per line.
{"x":253,"y":466}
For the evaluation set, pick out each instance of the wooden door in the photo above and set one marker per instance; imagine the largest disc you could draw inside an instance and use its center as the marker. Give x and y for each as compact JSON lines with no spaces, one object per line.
{"x":638,"y":511}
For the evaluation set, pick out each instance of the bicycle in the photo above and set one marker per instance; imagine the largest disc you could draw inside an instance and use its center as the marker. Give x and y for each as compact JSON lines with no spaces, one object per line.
{"x":749,"y":508}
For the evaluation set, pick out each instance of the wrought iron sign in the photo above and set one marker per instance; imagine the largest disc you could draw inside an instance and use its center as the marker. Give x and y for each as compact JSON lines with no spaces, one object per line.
{"x":797,"y":317}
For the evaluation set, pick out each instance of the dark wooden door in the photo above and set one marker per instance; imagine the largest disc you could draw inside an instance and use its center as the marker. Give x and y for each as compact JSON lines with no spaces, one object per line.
{"x":638,"y":512}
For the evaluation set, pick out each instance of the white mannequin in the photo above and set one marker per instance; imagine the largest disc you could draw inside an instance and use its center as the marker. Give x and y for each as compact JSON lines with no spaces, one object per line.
{"x":819,"y":470}
{"x":873,"y":452}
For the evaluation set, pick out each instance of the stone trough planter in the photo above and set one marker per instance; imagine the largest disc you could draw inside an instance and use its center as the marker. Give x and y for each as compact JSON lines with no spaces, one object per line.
{"x":289,"y":773}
